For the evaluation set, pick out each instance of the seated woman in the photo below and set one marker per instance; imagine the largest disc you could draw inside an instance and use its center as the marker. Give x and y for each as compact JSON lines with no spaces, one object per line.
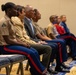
{"x":9,"y":44}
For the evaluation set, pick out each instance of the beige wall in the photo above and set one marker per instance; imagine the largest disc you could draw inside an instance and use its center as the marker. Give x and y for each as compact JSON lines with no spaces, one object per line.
{"x":50,"y":7}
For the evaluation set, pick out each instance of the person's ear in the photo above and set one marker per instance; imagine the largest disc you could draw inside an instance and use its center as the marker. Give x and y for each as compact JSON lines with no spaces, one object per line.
{"x":19,"y":13}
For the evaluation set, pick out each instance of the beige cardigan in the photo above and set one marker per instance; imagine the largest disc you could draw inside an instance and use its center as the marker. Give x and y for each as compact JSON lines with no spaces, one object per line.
{"x":20,"y":31}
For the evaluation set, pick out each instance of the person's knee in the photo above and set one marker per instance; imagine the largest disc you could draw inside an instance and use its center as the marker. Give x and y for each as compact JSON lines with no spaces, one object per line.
{"x":31,"y":53}
{"x":63,"y":41}
{"x":48,"y":49}
{"x":34,"y":51}
{"x":55,"y":46}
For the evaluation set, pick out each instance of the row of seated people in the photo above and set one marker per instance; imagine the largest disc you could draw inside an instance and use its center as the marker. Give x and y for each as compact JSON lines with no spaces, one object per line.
{"x":36,"y":33}
{"x":58,"y":29}
{"x":20,"y":34}
{"x":12,"y":43}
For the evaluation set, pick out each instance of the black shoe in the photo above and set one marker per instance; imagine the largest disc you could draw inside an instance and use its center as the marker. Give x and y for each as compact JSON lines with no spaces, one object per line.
{"x":61,"y":69}
{"x":74,"y":58}
{"x":51,"y":71}
{"x":65,"y":66}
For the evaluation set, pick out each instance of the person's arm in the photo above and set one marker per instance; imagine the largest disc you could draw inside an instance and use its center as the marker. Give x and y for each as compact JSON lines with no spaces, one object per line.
{"x":50,"y":32}
{"x":22,"y":35}
{"x":52,"y":36}
{"x":4,"y":31}
{"x":43,"y":37}
{"x":14,"y":42}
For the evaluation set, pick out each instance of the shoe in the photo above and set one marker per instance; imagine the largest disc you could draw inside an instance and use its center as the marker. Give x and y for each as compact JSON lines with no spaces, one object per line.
{"x":36,"y":73}
{"x":51,"y":71}
{"x":61,"y":69}
{"x":65,"y":66}
{"x":74,"y":58}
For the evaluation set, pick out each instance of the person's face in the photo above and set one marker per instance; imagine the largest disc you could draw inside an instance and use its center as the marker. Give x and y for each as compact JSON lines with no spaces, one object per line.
{"x":22,"y":14}
{"x":64,"y":19}
{"x":59,"y":20}
{"x":30,"y":13}
{"x":55,"y":19}
{"x":38,"y":15}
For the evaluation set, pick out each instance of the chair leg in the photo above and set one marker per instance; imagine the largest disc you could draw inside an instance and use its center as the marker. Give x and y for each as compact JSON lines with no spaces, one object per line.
{"x":27,"y":66}
{"x":20,"y":68}
{"x":11,"y":67}
{"x":7,"y":70}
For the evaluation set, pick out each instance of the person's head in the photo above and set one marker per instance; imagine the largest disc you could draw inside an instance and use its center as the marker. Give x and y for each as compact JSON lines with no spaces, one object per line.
{"x":37,"y":15}
{"x":53,"y":19}
{"x":29,"y":11}
{"x":20,"y":11}
{"x":9,"y":8}
{"x":63,"y":18}
{"x":58,"y":20}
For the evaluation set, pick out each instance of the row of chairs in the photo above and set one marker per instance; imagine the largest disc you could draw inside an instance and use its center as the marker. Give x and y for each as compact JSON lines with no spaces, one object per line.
{"x":8,"y":61}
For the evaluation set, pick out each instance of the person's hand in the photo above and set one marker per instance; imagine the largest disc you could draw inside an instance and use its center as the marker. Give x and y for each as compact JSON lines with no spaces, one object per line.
{"x":26,"y":45}
{"x":23,"y":43}
{"x":42,"y":42}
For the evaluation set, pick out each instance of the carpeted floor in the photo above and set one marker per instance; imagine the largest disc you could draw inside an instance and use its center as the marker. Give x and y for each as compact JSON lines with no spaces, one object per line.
{"x":70,"y":62}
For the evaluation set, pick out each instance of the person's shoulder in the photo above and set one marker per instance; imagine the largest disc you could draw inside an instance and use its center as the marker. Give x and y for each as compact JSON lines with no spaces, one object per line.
{"x":3,"y":21}
{"x":50,"y":25}
{"x":61,"y":23}
{"x":35,"y":24}
{"x":25,"y":19}
{"x":15,"y":19}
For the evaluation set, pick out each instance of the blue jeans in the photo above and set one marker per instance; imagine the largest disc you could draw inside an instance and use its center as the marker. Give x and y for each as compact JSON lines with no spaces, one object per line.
{"x":30,"y":53}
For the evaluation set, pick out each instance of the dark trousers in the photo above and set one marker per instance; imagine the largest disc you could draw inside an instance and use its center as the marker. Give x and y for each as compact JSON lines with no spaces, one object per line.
{"x":70,"y":41}
{"x":72,"y":45}
{"x":46,"y":51}
{"x":61,"y":51}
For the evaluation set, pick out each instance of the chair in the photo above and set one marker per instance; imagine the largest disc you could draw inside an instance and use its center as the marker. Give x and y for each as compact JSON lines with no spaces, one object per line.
{"x":5,"y":62}
{"x":15,"y":58}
